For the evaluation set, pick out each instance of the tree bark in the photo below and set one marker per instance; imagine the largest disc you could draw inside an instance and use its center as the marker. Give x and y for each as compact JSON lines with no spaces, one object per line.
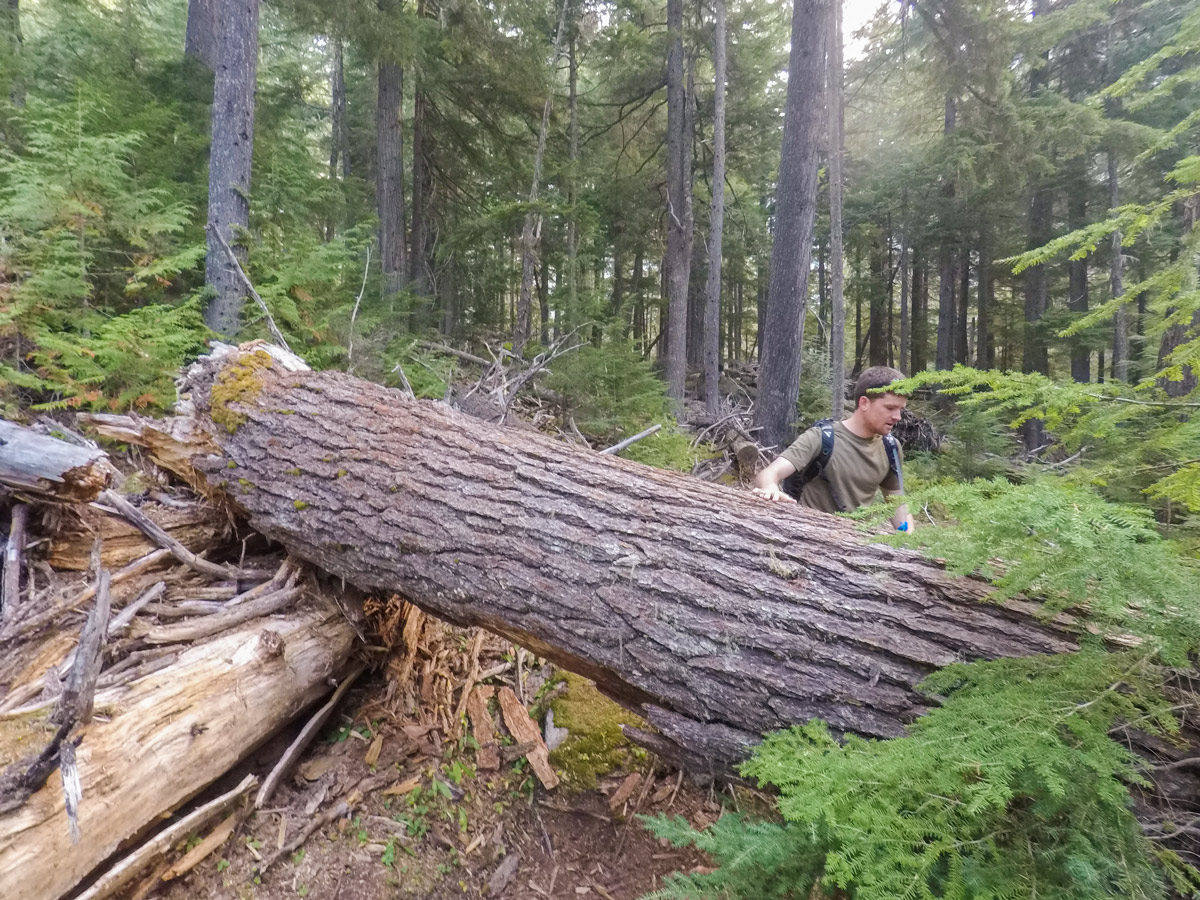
{"x":200,"y":39}
{"x":235,"y":67}
{"x":721,"y":617}
{"x":716,"y":222}
{"x":795,"y":209}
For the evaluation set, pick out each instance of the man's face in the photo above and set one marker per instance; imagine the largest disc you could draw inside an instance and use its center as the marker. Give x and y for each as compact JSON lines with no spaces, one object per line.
{"x":883,"y":412}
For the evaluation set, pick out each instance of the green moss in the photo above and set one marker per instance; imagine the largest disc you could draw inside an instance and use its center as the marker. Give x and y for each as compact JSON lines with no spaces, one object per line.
{"x":231,"y":465}
{"x":239,"y":382}
{"x":299,"y":504}
{"x":596,"y":744}
{"x":244,"y":483}
{"x":293,"y":471}
{"x":341,"y":473}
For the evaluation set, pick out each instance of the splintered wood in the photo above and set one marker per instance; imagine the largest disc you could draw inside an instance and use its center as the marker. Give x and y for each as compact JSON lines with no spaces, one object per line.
{"x":525,"y":731}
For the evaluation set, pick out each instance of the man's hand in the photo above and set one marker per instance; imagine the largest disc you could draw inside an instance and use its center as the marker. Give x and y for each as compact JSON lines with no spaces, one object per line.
{"x":772,"y":492}
{"x":902,"y":520}
{"x":767,"y":482}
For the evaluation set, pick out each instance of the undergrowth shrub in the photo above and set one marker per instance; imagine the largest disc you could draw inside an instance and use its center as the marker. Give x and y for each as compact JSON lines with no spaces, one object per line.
{"x":1013,"y":785}
{"x":613,"y":393}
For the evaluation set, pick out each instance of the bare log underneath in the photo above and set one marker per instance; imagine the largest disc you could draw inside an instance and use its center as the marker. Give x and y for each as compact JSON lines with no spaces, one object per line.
{"x":167,"y":736}
{"x":736,"y":617}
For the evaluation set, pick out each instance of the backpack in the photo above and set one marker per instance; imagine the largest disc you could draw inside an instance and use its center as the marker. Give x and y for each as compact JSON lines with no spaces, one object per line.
{"x":794,"y":483}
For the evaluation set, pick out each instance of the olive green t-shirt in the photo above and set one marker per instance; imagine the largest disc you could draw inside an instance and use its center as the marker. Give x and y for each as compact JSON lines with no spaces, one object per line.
{"x":857,"y":469}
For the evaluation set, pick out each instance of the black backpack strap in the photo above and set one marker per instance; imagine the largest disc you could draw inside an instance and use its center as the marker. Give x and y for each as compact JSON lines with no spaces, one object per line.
{"x":794,"y":483}
{"x":891,"y":447}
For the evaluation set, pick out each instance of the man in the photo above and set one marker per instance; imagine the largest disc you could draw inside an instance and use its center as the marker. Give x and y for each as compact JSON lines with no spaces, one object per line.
{"x":858,"y":466}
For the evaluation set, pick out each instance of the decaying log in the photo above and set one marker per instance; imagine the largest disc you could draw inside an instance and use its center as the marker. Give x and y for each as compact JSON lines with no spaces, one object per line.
{"x":196,"y":527}
{"x":723,"y":617}
{"x":36,"y":464}
{"x":162,"y":738}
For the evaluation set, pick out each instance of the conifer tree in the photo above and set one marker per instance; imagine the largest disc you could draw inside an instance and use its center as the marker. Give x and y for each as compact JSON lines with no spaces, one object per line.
{"x":235,"y":58}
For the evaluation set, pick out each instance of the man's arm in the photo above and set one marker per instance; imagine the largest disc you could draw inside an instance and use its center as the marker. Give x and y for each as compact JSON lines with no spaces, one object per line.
{"x":901,"y":521}
{"x":767,"y":482}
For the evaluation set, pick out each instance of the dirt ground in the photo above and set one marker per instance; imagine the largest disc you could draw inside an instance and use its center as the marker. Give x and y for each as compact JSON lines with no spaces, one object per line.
{"x":442,"y":827}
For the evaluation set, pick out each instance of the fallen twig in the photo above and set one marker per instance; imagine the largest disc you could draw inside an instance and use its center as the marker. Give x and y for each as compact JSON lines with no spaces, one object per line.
{"x":354,"y":315}
{"x":617,"y":448}
{"x":303,"y":739}
{"x":147,"y":527}
{"x":121,"y":874}
{"x":339,"y":810}
{"x":214,"y":624}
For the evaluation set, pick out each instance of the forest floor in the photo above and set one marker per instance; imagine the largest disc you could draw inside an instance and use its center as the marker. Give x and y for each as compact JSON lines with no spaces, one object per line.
{"x":444,"y":826}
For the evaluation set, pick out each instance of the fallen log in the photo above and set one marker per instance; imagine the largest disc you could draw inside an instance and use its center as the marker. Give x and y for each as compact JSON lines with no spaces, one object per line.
{"x":163,"y":738}
{"x":720,"y":617}
{"x":44,"y":466}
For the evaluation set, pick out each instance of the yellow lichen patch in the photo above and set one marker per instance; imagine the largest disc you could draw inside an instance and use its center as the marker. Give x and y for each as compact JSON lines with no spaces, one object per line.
{"x":596,"y":744}
{"x":238,"y":382}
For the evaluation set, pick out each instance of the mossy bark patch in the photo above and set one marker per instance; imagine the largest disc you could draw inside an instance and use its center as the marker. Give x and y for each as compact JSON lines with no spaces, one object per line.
{"x":596,"y":745}
{"x":239,"y":382}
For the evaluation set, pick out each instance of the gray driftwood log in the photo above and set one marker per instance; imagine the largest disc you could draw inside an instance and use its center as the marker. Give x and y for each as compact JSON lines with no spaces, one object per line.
{"x":720,"y":617}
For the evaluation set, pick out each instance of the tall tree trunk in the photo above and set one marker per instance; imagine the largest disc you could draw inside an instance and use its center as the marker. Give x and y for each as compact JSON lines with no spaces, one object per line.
{"x":638,"y":323}
{"x":573,"y":312}
{"x":905,"y":337}
{"x":946,"y":260}
{"x":985,"y":342}
{"x":543,"y":289}
{"x":1116,"y":273}
{"x":877,"y":325}
{"x":716,"y":221}
{"x":420,"y":261}
{"x":339,"y":139}
{"x":12,"y":75}
{"x":677,"y":259}
{"x":795,"y":209}
{"x":236,"y":65}
{"x":1183,"y":332}
{"x":200,"y":38}
{"x":836,"y":129}
{"x":1077,"y":270}
{"x":531,"y":232}
{"x":389,"y":179}
{"x":962,"y":305}
{"x":920,"y":324}
{"x":694,"y":250}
